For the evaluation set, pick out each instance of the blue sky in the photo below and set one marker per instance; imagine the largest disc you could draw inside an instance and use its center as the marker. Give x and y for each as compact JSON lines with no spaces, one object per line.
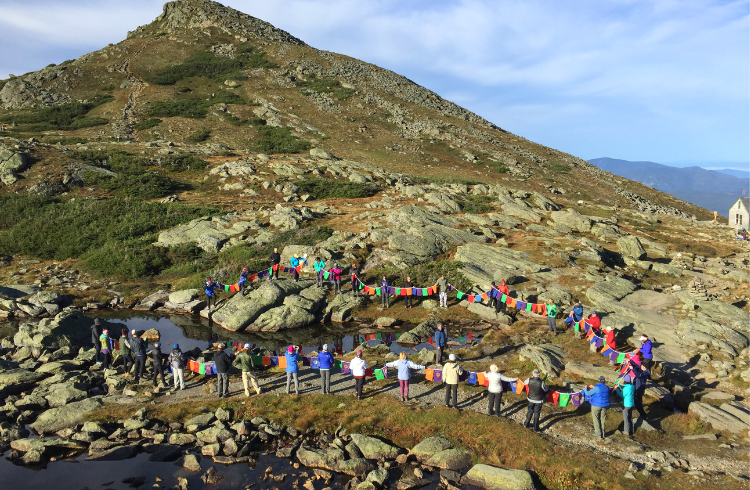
{"x":662,"y":80}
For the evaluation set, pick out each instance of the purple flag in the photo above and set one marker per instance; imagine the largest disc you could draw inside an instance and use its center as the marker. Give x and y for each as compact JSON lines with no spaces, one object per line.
{"x":437,"y":376}
{"x":576,"y":399}
{"x":345,"y":368}
{"x":599,"y":342}
{"x":613,"y":356}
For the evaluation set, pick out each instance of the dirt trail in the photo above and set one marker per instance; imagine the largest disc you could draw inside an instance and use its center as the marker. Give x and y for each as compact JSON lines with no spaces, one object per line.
{"x":123,"y":127}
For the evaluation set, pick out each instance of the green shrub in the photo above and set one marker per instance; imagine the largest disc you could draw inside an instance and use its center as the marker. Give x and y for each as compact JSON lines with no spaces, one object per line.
{"x":193,"y":108}
{"x":279,"y":140}
{"x":46,"y":228}
{"x":560,"y":168}
{"x":62,"y":117}
{"x":219,"y":68}
{"x":108,"y":87}
{"x":146,"y":124}
{"x":324,"y":189}
{"x":200,"y":135}
{"x":476,"y":204}
{"x":497,"y":167}
{"x":327,"y":86}
{"x":65,"y":140}
{"x":177,"y":163}
{"x":183,"y":90}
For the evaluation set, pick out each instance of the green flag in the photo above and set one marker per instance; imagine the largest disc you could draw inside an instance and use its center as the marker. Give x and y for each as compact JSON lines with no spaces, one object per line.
{"x":424,"y":291}
{"x":620,"y":357}
{"x":459,"y":295}
{"x":258,"y":360}
{"x":528,"y":306}
{"x":504,"y":298}
{"x":337,"y":363}
{"x":460,"y":338}
{"x":577,"y":327}
{"x":379,"y":374}
{"x":201,"y":368}
{"x":377,"y":291}
{"x":564,"y":399}
{"x":379,"y":336}
{"x":361,"y":285}
{"x":326,"y":275}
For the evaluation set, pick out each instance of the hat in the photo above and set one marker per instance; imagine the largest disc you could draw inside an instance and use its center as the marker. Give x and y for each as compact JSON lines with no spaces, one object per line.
{"x":535,"y":373}
{"x":105,"y":331}
{"x":176,"y":346}
{"x":493,"y":368}
{"x":208,"y":279}
{"x":627,"y":379}
{"x":452,"y":357}
{"x":157,"y":344}
{"x":593,"y":312}
{"x":493,"y":283}
{"x":133,"y":332}
{"x":608,"y":329}
{"x":601,"y":379}
{"x":325,"y":347}
{"x":291,"y":349}
{"x":643,"y":337}
{"x":97,"y":321}
{"x":359,"y":352}
{"x":296,"y":256}
{"x":440,"y":324}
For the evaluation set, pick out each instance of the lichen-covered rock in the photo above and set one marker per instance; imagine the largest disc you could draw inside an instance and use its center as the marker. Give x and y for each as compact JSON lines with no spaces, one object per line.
{"x":631,"y":247}
{"x":494,"y":478}
{"x":429,"y":447}
{"x":455,"y":458}
{"x":70,"y":415}
{"x":372,"y":448}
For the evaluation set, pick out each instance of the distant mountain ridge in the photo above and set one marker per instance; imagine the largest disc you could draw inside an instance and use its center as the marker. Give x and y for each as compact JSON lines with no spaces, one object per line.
{"x":711,"y":189}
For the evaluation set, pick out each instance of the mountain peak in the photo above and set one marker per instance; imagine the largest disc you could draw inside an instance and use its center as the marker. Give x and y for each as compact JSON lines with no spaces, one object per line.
{"x":186,"y":15}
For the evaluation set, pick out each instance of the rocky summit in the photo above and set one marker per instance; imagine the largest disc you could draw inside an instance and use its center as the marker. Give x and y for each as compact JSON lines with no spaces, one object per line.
{"x":209,"y":138}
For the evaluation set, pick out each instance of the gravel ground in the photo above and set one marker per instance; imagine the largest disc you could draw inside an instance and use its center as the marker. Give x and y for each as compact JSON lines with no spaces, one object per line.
{"x":567,"y":428}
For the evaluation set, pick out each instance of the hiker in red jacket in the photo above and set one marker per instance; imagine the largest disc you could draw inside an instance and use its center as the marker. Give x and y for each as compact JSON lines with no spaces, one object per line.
{"x":595,"y":322}
{"x":610,"y":340}
{"x":336,"y":277}
{"x":503,"y":289}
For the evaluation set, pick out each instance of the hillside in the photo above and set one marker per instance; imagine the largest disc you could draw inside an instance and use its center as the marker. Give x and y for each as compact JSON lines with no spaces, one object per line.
{"x":709,"y":189}
{"x":208,"y":138}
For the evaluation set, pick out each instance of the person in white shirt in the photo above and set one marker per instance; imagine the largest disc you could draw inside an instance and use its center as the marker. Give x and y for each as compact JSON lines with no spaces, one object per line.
{"x":358,"y":367}
{"x":495,"y":389}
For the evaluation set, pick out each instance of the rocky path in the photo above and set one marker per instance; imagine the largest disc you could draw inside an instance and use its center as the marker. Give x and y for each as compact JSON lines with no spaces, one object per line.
{"x":123,"y":128}
{"x":575,"y":432}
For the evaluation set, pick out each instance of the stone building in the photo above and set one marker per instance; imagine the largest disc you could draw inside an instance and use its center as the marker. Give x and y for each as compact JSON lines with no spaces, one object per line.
{"x":739,"y":213}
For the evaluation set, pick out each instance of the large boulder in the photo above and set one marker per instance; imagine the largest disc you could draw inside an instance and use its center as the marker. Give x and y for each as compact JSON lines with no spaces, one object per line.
{"x":429,"y":447}
{"x":240,"y":311}
{"x":421,"y":332}
{"x":14,"y":381}
{"x":12,"y":160}
{"x":494,"y":478}
{"x":373,"y":448}
{"x":183,"y":296}
{"x":548,"y":358}
{"x":487,"y":313}
{"x":341,"y":307}
{"x":611,"y":289}
{"x":209,"y":233}
{"x":631,"y":247}
{"x":67,"y":328}
{"x":484,"y":264}
{"x":455,"y":458}
{"x":327,"y":459}
{"x":572,"y":219}
{"x":522,"y":211}
{"x":589,"y":371}
{"x":727,"y":417}
{"x":70,"y":415}
{"x":282,"y":318}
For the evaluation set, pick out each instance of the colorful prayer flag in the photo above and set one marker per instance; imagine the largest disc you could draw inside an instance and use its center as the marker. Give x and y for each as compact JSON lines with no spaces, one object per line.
{"x":201,"y":368}
{"x":564,"y":399}
{"x":481,"y":379}
{"x":472,"y":378}
{"x":266,"y":361}
{"x":282,"y":362}
{"x":528,"y":306}
{"x":368,"y":372}
{"x":437,"y":375}
{"x":620,"y":358}
{"x":398,"y":291}
{"x":429,"y":374}
{"x":519,"y":387}
{"x":379,"y":374}
{"x":345,"y":368}
{"x":459,"y":295}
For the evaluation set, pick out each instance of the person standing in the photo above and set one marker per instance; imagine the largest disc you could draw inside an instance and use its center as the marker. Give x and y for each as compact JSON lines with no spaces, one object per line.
{"x":598,"y":396}
{"x":404,"y":366}
{"x":177,"y":362}
{"x":245,"y":281}
{"x":358,"y":367}
{"x":442,"y":285}
{"x":451,"y":372}
{"x":407,"y":299}
{"x":325,"y":360}
{"x":158,"y":357}
{"x":384,"y":296}
{"x":138,"y":346}
{"x":595,"y":322}
{"x":441,"y":340}
{"x":647,"y":351}
{"x":335,"y":276}
{"x":294,"y":263}
{"x":106,"y":349}
{"x":96,"y":331}
{"x":319,"y":266}
{"x":627,"y":393}
{"x":576,"y":313}
{"x":223,"y":364}
{"x":493,"y":299}
{"x":274,"y":260}
{"x":495,"y":389}
{"x":292,"y":368}
{"x":641,"y":374}
{"x":503,"y":289}
{"x":609,"y":339}
{"x":247,"y":366}
{"x":209,"y":288}
{"x":125,"y":355}
{"x":537,"y":394}
{"x":551,"y":316}
{"x":354,"y":272}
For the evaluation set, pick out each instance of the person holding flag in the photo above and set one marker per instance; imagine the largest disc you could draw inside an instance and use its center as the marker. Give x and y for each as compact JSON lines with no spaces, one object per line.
{"x":245,"y":281}
{"x":292,"y":368}
{"x":537,"y":393}
{"x":404,"y":366}
{"x":358,"y":367}
{"x":495,"y":389}
{"x":451,"y":372}
{"x":384,"y":296}
{"x":319,"y":267}
{"x":354,"y":272}
{"x":408,"y":298}
{"x":626,"y":391}
{"x":274,"y":260}
{"x":598,"y":396}
{"x":210,"y":289}
{"x":441,"y":340}
{"x":576,"y":313}
{"x":335,"y":275}
{"x":325,"y":360}
{"x":551,"y":309}
{"x":294,"y":262}
{"x":647,"y":351}
{"x":502,"y":288}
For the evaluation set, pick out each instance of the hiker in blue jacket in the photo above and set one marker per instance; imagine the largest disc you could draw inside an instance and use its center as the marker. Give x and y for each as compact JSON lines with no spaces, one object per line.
{"x":627,"y":393}
{"x":209,"y":288}
{"x":441,"y":339}
{"x":245,"y":281}
{"x":647,"y":351}
{"x":325,"y":359}
{"x":294,"y":262}
{"x":576,"y":313}
{"x":292,"y":356}
{"x":598,"y":396}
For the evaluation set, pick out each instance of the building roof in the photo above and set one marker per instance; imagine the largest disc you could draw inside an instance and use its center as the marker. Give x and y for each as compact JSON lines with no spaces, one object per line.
{"x":745,"y":201}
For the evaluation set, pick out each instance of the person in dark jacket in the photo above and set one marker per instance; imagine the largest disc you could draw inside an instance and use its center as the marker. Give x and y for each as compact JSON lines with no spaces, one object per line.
{"x":354,"y":272}
{"x":125,"y":355}
{"x":138,"y":346}
{"x":537,"y":394}
{"x":384,"y":296}
{"x":325,"y":359}
{"x":244,"y":282}
{"x":223,"y":364}
{"x":441,"y":340}
{"x":96,"y":331}
{"x":641,"y":375}
{"x":598,"y":396}
{"x":576,"y":314}
{"x":177,"y":363}
{"x":275,"y":260}
{"x":408,"y":285}
{"x":158,"y":357}
{"x":647,"y":351}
